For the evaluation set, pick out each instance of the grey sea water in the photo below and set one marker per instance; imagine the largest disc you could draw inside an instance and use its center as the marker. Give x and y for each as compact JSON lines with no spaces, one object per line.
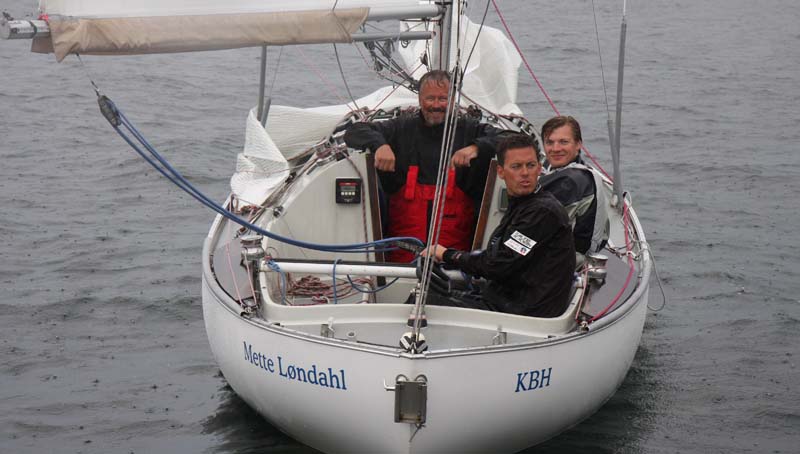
{"x":103,"y":347}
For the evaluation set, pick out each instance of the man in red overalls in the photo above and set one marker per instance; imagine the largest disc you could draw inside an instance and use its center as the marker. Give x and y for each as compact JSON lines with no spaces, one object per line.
{"x":407,"y":150}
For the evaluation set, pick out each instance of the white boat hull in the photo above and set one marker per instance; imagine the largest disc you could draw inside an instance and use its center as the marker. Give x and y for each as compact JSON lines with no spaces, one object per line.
{"x":493,"y":399}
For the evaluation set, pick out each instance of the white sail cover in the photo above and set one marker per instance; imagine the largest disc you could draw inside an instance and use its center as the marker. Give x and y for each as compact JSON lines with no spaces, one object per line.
{"x":260,"y":168}
{"x":114,"y":27}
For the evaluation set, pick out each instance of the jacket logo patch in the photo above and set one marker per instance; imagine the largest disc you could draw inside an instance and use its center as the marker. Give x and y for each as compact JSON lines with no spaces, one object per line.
{"x":523,"y":240}
{"x":516,"y":247}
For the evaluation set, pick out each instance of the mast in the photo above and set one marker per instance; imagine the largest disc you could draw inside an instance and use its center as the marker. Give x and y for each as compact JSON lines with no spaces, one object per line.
{"x":445,"y":34}
{"x":616,"y":139}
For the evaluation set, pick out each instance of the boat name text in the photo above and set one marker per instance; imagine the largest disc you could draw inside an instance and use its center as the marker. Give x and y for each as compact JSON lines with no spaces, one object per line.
{"x":311,"y":375}
{"x":533,"y":379}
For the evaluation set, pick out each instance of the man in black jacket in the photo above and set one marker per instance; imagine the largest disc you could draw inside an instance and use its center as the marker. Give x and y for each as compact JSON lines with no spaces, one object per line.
{"x":530,"y":258}
{"x":407,"y":151}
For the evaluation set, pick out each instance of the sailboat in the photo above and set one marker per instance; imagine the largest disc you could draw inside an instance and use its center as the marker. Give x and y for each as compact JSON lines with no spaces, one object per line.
{"x":305,"y":319}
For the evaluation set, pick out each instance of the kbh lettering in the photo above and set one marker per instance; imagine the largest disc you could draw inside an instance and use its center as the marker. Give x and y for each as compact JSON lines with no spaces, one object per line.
{"x":533,"y":380}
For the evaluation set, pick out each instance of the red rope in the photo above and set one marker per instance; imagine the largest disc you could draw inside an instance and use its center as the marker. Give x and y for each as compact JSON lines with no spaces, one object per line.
{"x":313,"y":286}
{"x":249,"y":279}
{"x":325,"y":81}
{"x":519,"y":51}
{"x":539,"y":84}
{"x":233,"y":275}
{"x":625,"y":221}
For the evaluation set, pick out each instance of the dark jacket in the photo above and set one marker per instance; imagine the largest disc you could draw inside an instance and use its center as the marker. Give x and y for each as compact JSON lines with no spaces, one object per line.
{"x":530,"y":259}
{"x":413,"y":142}
{"x":574,"y":187}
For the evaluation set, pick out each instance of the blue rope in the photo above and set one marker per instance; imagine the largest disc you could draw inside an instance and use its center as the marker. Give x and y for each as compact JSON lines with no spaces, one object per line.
{"x":333,"y":282}
{"x":274,"y":267}
{"x":117,"y":118}
{"x":366,"y":290}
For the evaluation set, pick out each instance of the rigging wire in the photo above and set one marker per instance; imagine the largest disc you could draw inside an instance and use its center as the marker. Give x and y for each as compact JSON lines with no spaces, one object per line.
{"x":539,"y":84}
{"x":86,"y":72}
{"x":369,"y":291}
{"x":233,"y":275}
{"x":382,"y":57}
{"x":331,"y":87}
{"x":344,"y":79}
{"x":275,"y":74}
{"x":524,"y":60}
{"x":600,"y":56}
{"x":396,"y":87}
{"x":385,"y":59}
{"x":249,"y":274}
{"x":478,"y":35}
{"x":448,"y":136}
{"x":450,"y":127}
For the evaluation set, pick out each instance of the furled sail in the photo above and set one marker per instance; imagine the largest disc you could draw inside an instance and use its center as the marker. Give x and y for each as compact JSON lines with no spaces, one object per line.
{"x":109,"y":27}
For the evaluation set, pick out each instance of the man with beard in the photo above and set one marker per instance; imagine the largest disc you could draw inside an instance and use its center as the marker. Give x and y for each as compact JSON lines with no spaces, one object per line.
{"x":407,"y":150}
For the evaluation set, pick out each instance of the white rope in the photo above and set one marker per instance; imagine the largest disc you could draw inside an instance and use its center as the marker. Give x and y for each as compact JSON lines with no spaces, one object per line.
{"x":442,"y":179}
{"x":600,"y":56}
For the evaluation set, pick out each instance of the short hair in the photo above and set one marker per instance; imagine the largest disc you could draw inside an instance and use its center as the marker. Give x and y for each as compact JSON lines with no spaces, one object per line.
{"x":437,"y":75}
{"x":556,"y":122}
{"x":511,"y":141}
